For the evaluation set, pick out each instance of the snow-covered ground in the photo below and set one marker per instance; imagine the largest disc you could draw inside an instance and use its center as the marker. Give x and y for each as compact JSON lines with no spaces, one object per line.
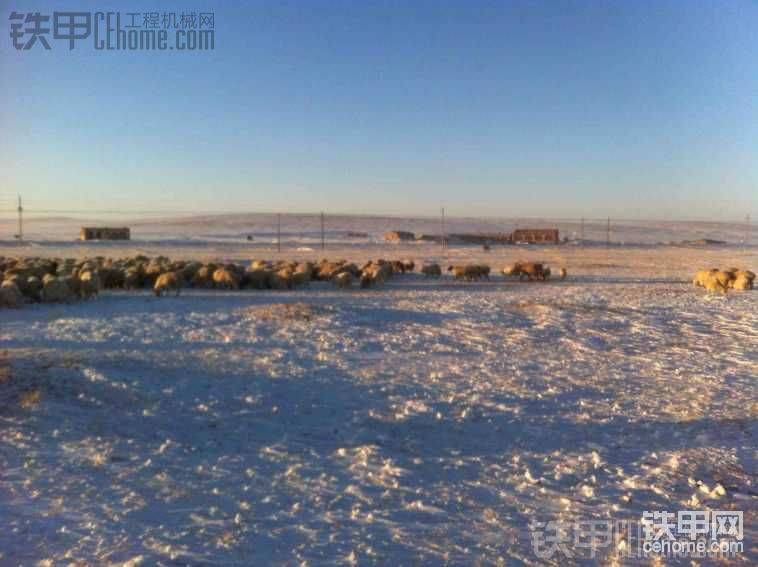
{"x":421,"y":422}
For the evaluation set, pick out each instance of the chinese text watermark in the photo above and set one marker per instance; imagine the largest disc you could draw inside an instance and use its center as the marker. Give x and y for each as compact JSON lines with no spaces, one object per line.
{"x":687,"y":533}
{"x":115,"y":31}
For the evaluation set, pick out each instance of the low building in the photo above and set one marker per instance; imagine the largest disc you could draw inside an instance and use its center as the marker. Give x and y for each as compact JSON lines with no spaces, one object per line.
{"x":481,"y":238}
{"x":536,"y":235}
{"x":104,"y":233}
{"x":399,"y":236}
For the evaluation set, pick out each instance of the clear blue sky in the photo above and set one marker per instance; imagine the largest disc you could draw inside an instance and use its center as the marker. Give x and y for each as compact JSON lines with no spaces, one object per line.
{"x":624,"y":108}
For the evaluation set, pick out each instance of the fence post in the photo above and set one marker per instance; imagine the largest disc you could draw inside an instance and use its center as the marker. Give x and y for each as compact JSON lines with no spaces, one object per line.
{"x":20,"y":234}
{"x":322,"y":230}
{"x":278,"y":232}
{"x":608,"y":232}
{"x":443,"y":241}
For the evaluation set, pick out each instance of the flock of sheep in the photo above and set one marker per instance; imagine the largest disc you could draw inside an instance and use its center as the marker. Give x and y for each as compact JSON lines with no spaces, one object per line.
{"x":63,"y":280}
{"x":723,"y":280}
{"x":59,"y":281}
{"x":46,"y":280}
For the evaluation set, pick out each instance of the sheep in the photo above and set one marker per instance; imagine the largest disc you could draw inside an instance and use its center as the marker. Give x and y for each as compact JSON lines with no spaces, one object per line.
{"x":469,"y":272}
{"x":302,"y":275}
{"x":281,"y":279}
{"x":34,"y":288}
{"x":398,"y":267}
{"x":225,"y":279}
{"x":512,"y":269}
{"x":132,"y":279}
{"x":203,"y":278}
{"x":343,"y":280}
{"x":366,"y":279}
{"x":562,"y":273}
{"x":10,"y":295}
{"x":717,"y":281}
{"x":56,"y":290}
{"x":702,"y":276}
{"x":188,"y":271}
{"x":409,"y":265}
{"x":167,"y":281}
{"x":259,"y":264}
{"x":458,"y":272}
{"x":152,"y":271}
{"x":431,"y":270}
{"x":111,"y":277}
{"x":742,"y":283}
{"x":472,"y":273}
{"x":546,"y":273}
{"x":256,"y":278}
{"x":380,"y":272}
{"x":533,"y":271}
{"x":484,"y":271}
{"x":89,"y":284}
{"x":19,"y":279}
{"x":326,"y":270}
{"x":724,"y":278}
{"x":743,"y":280}
{"x":73,"y":283}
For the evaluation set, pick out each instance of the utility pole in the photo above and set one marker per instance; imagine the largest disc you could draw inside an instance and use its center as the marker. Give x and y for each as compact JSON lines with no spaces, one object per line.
{"x":278,"y":232}
{"x":443,"y":240}
{"x":322,"y":230}
{"x":608,"y":232}
{"x":20,"y":234}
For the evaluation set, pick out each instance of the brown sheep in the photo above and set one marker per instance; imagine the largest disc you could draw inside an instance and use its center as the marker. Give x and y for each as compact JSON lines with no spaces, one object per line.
{"x":281,"y":279}
{"x":166,"y":282}
{"x":326,"y":270}
{"x":717,"y":281}
{"x":512,"y":270}
{"x":743,"y":280}
{"x":533,"y":271}
{"x":702,"y":276}
{"x":204,"y":277}
{"x":562,"y":273}
{"x":259,"y":264}
{"x":409,"y":265}
{"x":89,"y":284}
{"x":458,"y":272}
{"x":152,"y":271}
{"x":225,"y":279}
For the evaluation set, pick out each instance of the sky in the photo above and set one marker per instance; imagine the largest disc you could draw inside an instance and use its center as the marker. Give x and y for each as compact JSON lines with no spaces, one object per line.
{"x":633,"y":109}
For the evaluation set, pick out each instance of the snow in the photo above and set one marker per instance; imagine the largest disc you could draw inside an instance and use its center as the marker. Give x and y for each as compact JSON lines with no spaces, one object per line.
{"x":422,"y":422}
{"x":304,"y":230}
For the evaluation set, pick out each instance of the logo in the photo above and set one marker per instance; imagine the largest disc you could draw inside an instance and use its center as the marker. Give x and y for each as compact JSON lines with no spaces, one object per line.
{"x":662,"y":534}
{"x":115,"y":31}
